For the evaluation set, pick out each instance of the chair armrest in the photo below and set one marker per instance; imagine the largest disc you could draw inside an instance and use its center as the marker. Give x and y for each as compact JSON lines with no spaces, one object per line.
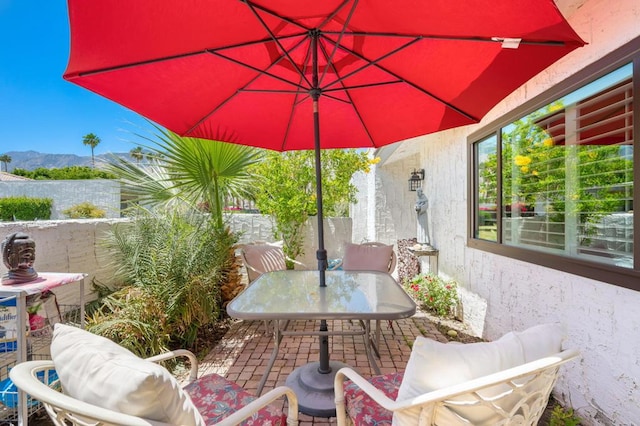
{"x":503,"y":376}
{"x":264,"y":400}
{"x":61,"y":406}
{"x":193,"y":361}
{"x":377,"y":395}
{"x":447,"y":393}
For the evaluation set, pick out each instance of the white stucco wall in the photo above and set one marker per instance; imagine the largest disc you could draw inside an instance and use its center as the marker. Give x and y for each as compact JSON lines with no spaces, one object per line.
{"x":502,"y":294}
{"x":74,"y":245}
{"x":256,"y":227}
{"x":67,"y":246}
{"x":102,"y":193}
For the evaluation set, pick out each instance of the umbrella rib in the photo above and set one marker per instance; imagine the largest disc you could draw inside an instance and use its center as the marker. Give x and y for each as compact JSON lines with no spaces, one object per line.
{"x":180,"y":56}
{"x":224,"y":102}
{"x":340,"y":36}
{"x":369,"y":62}
{"x":252,"y":7}
{"x":404,"y":80}
{"x":482,"y":39}
{"x":362,"y":86}
{"x":353,"y":105}
{"x":294,"y":104}
{"x":258,"y":70}
{"x":335,"y":12}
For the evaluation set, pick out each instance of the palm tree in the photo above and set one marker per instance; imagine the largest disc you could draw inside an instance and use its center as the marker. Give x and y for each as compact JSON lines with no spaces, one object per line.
{"x":93,"y":141}
{"x":136,"y":154}
{"x":192,"y":172}
{"x":5,"y":159}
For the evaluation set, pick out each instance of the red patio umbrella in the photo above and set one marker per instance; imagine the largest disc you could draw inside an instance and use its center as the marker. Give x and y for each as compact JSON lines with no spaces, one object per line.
{"x":295,"y":74}
{"x":291,"y":74}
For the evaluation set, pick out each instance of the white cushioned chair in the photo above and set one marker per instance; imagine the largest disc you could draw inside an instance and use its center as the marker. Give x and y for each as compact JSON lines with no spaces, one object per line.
{"x":100,"y":382}
{"x":505,"y":382}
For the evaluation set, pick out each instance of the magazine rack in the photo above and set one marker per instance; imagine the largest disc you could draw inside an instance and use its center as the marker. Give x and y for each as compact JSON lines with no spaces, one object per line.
{"x":33,"y":342}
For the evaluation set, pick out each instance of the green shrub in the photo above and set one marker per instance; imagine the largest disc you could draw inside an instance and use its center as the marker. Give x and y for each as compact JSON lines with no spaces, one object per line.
{"x":562,"y":417}
{"x":175,"y":266}
{"x":64,"y":173}
{"x":25,"y":208}
{"x":433,"y":293}
{"x":84,"y":210}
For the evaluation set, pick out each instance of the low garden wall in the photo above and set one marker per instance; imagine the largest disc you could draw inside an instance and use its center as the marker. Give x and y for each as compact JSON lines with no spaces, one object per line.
{"x":74,"y":245}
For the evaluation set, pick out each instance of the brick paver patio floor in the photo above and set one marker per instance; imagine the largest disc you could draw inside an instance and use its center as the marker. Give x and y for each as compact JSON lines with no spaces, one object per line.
{"x":242,"y":355}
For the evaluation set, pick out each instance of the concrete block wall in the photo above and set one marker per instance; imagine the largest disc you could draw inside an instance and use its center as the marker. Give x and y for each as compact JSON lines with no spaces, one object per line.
{"x":102,"y":193}
{"x":67,"y":246}
{"x":74,"y":245}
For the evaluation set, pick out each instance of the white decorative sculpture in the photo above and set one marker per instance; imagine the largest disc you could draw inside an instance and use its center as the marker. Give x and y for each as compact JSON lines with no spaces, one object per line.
{"x":421,"y":210}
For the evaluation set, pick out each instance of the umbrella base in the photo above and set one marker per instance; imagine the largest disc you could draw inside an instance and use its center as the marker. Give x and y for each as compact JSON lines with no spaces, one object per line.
{"x":315,"y":390}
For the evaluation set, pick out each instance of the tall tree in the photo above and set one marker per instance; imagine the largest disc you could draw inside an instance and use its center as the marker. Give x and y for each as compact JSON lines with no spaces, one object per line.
{"x":5,"y":159}
{"x":137,"y":154}
{"x":91,"y":140}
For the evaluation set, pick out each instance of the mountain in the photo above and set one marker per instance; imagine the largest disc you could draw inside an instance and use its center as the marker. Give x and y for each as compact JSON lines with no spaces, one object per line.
{"x":30,"y":160}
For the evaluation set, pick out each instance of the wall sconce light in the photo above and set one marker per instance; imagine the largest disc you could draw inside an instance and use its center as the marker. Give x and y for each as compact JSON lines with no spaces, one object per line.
{"x":415,"y":181}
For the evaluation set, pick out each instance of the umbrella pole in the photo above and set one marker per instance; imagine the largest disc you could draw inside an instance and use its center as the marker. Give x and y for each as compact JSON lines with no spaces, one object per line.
{"x":321,"y":253}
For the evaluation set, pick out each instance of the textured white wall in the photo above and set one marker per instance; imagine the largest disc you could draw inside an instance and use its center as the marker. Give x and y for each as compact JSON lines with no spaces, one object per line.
{"x":67,"y":246}
{"x":502,"y":294}
{"x":257,"y":227}
{"x":74,"y":245}
{"x":102,"y":193}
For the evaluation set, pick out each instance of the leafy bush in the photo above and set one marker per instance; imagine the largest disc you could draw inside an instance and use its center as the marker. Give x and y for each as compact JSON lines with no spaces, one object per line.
{"x":285,"y":189}
{"x":562,"y":417}
{"x":64,"y":173}
{"x":175,"y":266}
{"x":25,"y":208}
{"x":433,"y":293}
{"x":84,"y":210}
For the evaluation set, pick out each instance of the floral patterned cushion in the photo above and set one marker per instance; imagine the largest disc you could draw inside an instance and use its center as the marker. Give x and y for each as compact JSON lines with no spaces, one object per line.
{"x":362,"y":409}
{"x":216,"y":398}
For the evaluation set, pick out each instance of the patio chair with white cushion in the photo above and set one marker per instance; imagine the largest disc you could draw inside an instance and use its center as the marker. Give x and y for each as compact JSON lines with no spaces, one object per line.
{"x":259,"y":258}
{"x":505,"y":382}
{"x":369,"y":256}
{"x":100,"y":382}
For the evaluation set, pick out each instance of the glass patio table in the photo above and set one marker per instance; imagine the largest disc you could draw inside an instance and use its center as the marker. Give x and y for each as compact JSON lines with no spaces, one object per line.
{"x":282,"y":296}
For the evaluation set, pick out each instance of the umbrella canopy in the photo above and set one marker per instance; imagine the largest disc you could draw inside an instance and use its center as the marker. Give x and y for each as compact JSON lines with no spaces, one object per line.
{"x":242,"y":71}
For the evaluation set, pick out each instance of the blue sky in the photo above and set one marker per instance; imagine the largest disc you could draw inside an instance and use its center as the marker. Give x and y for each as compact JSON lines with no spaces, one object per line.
{"x":39,"y":110}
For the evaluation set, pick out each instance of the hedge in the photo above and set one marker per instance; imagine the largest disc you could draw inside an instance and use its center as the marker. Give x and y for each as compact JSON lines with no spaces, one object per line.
{"x":25,"y":208}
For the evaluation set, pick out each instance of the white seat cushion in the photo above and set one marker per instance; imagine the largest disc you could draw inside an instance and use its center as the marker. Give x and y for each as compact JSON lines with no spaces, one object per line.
{"x":98,"y":371}
{"x":434,"y":365}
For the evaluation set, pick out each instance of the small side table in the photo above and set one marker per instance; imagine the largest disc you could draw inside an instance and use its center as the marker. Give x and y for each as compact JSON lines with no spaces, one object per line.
{"x":432,"y":253}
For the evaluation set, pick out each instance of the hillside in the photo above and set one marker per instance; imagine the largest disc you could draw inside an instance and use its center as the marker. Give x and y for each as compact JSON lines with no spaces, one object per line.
{"x":30,"y":160}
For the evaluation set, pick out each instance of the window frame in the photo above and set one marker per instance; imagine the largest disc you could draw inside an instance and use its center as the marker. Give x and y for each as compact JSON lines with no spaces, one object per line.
{"x":620,"y":276}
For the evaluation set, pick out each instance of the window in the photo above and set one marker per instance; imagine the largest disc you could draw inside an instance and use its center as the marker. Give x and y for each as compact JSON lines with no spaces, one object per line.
{"x":556,"y":182}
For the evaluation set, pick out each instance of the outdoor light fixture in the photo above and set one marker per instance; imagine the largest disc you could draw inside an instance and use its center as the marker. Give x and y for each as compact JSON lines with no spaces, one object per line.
{"x":415,"y":181}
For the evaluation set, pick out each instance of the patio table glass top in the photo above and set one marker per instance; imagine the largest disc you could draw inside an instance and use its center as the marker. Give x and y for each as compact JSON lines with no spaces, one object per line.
{"x":348,"y":295}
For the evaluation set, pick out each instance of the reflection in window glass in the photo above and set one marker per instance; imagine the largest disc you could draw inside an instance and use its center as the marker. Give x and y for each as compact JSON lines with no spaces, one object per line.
{"x":486,"y":190}
{"x":567,"y":174}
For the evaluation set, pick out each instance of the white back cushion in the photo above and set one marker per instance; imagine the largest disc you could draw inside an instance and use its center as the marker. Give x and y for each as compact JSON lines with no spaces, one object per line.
{"x":434,"y":365}
{"x":96,"y":370}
